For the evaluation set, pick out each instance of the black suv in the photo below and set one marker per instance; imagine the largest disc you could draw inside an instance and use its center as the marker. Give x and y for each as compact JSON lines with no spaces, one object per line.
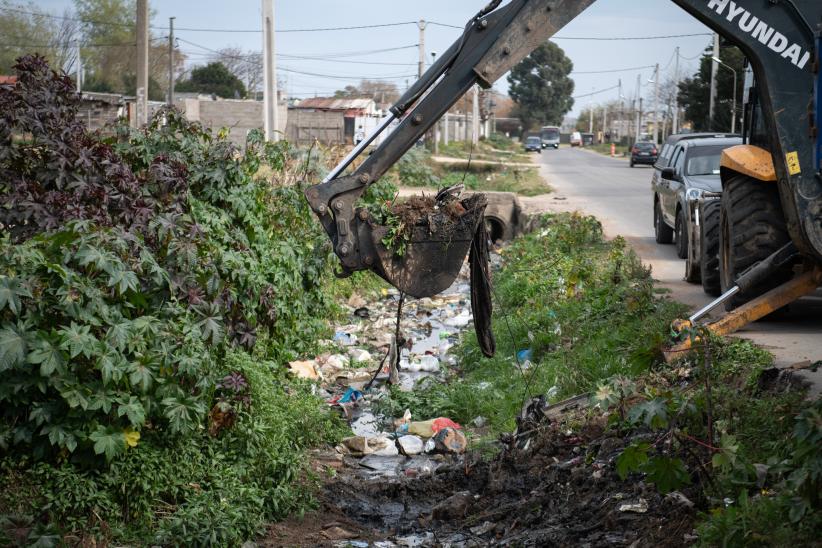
{"x":644,"y":152}
{"x":693,"y":170}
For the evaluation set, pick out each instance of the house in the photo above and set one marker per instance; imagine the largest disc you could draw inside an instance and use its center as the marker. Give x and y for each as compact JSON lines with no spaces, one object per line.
{"x":331,"y":120}
{"x":7,"y":80}
{"x":98,"y":110}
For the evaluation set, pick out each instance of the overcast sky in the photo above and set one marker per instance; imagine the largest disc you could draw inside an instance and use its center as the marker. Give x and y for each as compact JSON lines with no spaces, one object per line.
{"x":605,"y":19}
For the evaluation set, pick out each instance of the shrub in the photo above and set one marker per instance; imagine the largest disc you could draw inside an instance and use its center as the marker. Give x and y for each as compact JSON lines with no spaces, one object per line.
{"x":151,"y":285}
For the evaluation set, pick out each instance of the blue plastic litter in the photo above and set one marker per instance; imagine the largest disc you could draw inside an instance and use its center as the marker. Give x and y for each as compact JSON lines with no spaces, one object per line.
{"x":524,"y":355}
{"x":350,"y":395}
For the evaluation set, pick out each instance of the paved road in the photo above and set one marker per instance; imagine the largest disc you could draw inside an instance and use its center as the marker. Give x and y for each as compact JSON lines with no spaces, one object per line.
{"x":621,"y":198}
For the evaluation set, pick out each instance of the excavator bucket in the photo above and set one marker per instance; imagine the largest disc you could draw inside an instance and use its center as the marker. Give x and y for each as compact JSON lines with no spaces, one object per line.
{"x":434,"y":249}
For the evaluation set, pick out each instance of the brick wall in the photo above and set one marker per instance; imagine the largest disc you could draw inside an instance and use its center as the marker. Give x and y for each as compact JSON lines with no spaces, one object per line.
{"x":304,"y":126}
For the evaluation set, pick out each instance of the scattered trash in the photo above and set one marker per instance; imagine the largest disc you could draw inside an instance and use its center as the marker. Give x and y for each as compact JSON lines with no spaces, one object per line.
{"x":387,"y":465}
{"x":336,"y":532}
{"x":460,"y":320}
{"x":356,"y":301}
{"x":450,"y":440}
{"x":427,"y":429}
{"x":401,"y":424}
{"x":482,"y":529}
{"x":479,"y":422}
{"x":304,"y":369}
{"x":525,"y":355}
{"x":410,"y":445}
{"x":359,"y":355}
{"x":363,"y":313}
{"x":639,"y":507}
{"x":379,"y":445}
{"x":350,"y":395}
{"x":345,"y":339}
{"x":679,"y":498}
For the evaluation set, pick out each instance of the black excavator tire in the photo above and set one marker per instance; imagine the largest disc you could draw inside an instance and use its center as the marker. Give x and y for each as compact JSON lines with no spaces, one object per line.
{"x":709,"y":245}
{"x":752,"y":228}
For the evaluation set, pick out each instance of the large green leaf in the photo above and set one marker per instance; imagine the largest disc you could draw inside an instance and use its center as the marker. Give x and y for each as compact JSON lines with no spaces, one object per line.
{"x":77,"y":339}
{"x":12,"y":347}
{"x":10,"y":293}
{"x":48,"y":355}
{"x":108,"y":441}
{"x":668,"y":474}
{"x":133,"y":410}
{"x":141,"y":376}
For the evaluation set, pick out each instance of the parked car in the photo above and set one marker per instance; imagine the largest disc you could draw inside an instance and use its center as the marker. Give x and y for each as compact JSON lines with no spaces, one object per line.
{"x":666,"y":154}
{"x":693,"y":171}
{"x":644,"y":152}
{"x":533,"y":144}
{"x":576,"y":139}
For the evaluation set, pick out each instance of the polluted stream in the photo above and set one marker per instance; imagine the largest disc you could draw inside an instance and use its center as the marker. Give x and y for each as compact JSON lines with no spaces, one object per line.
{"x":397,"y":481}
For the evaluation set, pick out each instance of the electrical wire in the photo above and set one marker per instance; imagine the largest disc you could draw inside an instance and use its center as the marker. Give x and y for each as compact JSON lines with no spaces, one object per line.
{"x":597,"y":92}
{"x":611,"y":70}
{"x":629,"y":38}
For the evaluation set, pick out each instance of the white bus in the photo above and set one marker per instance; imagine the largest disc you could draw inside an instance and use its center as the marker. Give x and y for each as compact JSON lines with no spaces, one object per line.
{"x":549,"y":136}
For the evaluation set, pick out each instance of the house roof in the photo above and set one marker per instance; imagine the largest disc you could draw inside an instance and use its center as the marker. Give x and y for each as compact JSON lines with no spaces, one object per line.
{"x":334,"y":103}
{"x":8,"y":80}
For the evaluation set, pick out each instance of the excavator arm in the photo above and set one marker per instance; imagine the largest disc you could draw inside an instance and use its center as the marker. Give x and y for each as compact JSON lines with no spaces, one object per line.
{"x":777,"y":36}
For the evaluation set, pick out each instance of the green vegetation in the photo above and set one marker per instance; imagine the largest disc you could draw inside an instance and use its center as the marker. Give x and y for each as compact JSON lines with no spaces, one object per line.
{"x":585,"y":308}
{"x":588,"y":314}
{"x":152,"y":287}
{"x":417,"y":168}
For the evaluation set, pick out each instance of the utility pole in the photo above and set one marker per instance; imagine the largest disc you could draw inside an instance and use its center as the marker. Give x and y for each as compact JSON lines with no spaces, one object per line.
{"x":714,"y":71}
{"x":656,"y":105}
{"x":79,"y":77}
{"x":675,"y":125}
{"x":591,"y":118}
{"x":171,"y":61}
{"x":421,"y":69}
{"x":639,"y":112}
{"x":446,"y":129}
{"x":142,"y":63}
{"x":604,"y":121}
{"x":475,"y":117}
{"x":639,"y":121}
{"x":270,"y":102}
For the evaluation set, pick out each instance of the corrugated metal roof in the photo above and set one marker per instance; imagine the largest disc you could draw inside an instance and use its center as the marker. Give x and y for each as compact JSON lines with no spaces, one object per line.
{"x":334,"y":103}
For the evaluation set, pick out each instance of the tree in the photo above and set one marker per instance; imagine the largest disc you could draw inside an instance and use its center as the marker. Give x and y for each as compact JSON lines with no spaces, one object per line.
{"x":213,"y":78}
{"x":382,"y":92}
{"x":246,"y":66}
{"x":108,"y":26}
{"x":541,"y":87}
{"x":25,"y":33}
{"x":695,"y":92}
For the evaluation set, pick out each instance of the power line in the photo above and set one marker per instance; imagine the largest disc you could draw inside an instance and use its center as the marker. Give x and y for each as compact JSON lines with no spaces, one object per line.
{"x":353,"y":27}
{"x":611,"y":70}
{"x":629,"y":38}
{"x":595,"y":92}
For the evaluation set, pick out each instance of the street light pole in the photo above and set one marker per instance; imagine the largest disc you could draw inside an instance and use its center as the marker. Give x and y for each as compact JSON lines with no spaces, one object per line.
{"x":733,"y":108}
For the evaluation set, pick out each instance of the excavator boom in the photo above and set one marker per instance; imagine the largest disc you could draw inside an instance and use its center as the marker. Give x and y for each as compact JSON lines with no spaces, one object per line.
{"x":777,"y":36}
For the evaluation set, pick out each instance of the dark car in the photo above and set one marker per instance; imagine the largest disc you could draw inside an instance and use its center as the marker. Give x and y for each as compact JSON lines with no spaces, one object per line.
{"x":693,"y":170}
{"x":533,"y":144}
{"x":644,"y":152}
{"x":666,"y":154}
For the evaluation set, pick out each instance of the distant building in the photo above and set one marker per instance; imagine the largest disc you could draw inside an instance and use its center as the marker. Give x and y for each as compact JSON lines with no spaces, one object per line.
{"x":331,"y":120}
{"x":100,"y":109}
{"x":7,"y":80}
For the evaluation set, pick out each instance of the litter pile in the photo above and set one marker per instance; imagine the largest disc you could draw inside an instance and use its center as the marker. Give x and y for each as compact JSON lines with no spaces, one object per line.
{"x":398,"y":481}
{"x":370,"y":354}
